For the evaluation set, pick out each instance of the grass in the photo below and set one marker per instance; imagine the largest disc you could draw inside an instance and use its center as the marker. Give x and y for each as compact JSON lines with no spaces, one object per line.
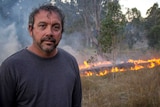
{"x":123,"y":89}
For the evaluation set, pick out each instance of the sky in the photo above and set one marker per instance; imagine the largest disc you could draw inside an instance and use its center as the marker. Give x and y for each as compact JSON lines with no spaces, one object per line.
{"x":142,"y":5}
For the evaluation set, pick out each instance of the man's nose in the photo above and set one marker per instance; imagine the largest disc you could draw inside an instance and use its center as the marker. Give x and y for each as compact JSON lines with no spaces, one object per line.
{"x":49,"y":31}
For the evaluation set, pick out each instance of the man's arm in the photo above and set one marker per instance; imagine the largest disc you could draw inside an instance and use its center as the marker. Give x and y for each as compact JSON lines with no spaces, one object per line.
{"x":7,"y":87}
{"x":77,"y":92}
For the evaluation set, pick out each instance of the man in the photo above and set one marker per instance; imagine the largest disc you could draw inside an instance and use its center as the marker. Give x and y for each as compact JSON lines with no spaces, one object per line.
{"x":41,"y":75}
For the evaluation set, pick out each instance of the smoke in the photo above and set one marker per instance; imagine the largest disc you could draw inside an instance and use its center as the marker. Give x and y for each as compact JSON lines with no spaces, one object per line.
{"x":75,"y":40}
{"x":73,"y":44}
{"x":13,"y":20}
{"x":8,"y":41}
{"x":14,"y":35}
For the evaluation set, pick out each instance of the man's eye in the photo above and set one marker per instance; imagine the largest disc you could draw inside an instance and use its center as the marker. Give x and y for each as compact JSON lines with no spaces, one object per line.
{"x":42,"y":26}
{"x":56,"y":28}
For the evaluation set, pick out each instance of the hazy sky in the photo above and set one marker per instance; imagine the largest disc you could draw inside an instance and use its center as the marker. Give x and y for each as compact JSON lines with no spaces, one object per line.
{"x":142,"y":5}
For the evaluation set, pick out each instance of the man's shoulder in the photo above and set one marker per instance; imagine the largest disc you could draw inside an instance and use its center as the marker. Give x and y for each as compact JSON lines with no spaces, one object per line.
{"x":62,"y":51}
{"x":66,"y":54}
{"x":19,"y":55}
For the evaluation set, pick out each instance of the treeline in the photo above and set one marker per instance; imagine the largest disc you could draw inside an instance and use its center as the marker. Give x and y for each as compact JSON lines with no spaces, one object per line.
{"x":104,"y":26}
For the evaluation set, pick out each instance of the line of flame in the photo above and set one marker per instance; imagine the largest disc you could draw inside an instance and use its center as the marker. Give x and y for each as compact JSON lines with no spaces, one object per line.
{"x":138,"y":64}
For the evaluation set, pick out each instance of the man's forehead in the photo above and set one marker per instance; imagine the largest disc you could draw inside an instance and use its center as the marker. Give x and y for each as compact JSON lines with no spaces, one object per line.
{"x":43,"y":16}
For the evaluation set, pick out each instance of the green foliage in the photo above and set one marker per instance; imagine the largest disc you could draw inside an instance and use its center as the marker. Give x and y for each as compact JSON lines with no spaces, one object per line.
{"x":154,"y":37}
{"x":105,"y":39}
{"x":153,"y":27}
{"x":134,"y":27}
{"x":106,"y":19}
{"x":133,"y":14}
{"x":111,"y":26}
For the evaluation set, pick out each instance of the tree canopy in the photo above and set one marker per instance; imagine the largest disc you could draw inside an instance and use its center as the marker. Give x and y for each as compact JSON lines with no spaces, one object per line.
{"x":103,"y":25}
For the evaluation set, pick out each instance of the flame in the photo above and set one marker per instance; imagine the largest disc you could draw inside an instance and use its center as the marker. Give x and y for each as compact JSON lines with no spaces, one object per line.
{"x":89,"y":69}
{"x":87,"y":65}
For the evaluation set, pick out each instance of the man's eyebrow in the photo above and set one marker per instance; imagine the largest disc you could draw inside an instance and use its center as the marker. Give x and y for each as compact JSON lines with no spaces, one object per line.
{"x":56,"y":24}
{"x":41,"y":22}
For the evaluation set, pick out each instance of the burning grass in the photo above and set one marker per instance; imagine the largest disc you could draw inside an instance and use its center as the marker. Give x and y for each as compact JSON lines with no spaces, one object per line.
{"x":123,"y":89}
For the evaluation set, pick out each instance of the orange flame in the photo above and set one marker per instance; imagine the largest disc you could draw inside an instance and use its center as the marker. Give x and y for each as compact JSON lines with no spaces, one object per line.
{"x":137,"y":65}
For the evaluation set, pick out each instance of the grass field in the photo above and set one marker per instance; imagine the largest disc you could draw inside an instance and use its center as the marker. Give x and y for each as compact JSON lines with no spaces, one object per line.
{"x":123,"y":89}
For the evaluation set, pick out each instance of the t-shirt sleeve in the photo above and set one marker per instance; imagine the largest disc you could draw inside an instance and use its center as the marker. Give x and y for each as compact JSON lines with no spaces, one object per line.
{"x":7,"y":86}
{"x":77,"y":92}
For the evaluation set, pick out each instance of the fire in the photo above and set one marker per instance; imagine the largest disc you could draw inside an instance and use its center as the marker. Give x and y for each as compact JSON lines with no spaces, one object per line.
{"x":105,"y":67}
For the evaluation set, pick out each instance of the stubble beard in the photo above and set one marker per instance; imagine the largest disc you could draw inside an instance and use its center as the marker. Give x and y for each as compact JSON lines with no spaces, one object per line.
{"x":47,"y":48}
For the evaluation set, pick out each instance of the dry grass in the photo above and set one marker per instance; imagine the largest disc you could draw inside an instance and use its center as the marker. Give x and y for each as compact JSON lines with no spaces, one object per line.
{"x":125,"y":89}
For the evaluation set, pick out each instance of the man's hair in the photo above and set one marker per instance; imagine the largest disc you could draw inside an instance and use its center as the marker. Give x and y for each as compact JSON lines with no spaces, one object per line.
{"x":47,"y":7}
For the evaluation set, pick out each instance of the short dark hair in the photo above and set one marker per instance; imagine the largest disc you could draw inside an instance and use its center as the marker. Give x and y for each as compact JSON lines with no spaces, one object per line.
{"x":47,"y":7}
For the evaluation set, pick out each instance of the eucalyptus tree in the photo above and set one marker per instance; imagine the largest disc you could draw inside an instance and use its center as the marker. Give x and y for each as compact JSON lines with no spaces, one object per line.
{"x":91,"y":14}
{"x":111,"y":27}
{"x":134,"y":27}
{"x":153,"y":26}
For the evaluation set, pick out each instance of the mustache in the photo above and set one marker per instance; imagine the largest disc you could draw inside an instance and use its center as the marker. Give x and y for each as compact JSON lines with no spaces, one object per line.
{"x":48,"y":38}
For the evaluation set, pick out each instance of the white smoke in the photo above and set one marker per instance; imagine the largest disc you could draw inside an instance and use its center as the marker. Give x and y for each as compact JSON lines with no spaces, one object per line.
{"x":13,"y":21}
{"x":14,"y":35}
{"x":8,"y":41}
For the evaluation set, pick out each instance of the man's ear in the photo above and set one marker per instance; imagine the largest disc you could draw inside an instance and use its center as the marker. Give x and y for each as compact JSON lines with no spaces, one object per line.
{"x":30,"y":30}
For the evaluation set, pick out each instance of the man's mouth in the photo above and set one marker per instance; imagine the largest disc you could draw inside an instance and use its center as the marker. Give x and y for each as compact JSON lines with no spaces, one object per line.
{"x":49,"y":42}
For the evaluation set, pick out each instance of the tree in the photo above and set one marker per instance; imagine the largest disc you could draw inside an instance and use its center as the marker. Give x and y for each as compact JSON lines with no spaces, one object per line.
{"x":91,"y":11}
{"x":154,"y":37}
{"x":153,"y":26}
{"x":111,"y":26}
{"x":81,"y":16}
{"x":134,"y":27}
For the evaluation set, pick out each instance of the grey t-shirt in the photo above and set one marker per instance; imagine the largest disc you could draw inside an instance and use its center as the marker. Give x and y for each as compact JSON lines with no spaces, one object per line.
{"x":27,"y":80}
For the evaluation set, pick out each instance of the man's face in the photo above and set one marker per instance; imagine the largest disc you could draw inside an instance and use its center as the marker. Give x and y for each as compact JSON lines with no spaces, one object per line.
{"x":46,"y":31}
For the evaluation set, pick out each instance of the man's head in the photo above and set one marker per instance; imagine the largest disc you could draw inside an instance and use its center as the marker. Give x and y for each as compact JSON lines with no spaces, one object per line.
{"x":47,"y":7}
{"x":46,"y":27}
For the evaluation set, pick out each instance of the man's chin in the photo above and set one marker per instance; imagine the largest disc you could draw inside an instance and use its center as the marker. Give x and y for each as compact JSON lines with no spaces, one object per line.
{"x":49,"y":49}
